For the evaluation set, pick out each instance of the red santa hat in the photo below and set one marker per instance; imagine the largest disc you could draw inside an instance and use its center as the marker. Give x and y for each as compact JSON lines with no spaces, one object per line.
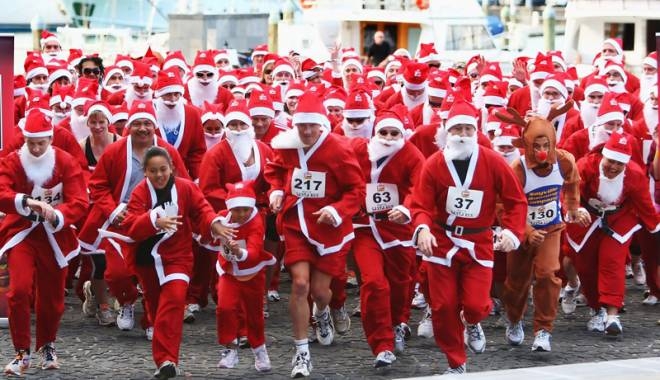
{"x":37,"y":100}
{"x":335,"y":98}
{"x":556,"y":81}
{"x":609,"y":110}
{"x":47,"y":37}
{"x":492,"y":122}
{"x":62,"y":95}
{"x":247,"y":76}
{"x":296,"y":88}
{"x":438,"y":85}
{"x":169,"y":81}
{"x":270,"y":58}
{"x":357,"y":105}
{"x":58,"y":69}
{"x":472,"y":64}
{"x":119,"y":112}
{"x":610,"y":66}
{"x":596,"y":84}
{"x":153,"y":63}
{"x":98,"y":106}
{"x":228,"y":77}
{"x":282,"y":65}
{"x":124,"y":61}
{"x":75,"y":55}
{"x":618,"y":148}
{"x":393,"y":117}
{"x":543,"y":67}
{"x":427,"y":53}
{"x":513,"y":82}
{"x":260,"y":104}
{"x":495,"y":93}
{"x":212,"y":111}
{"x":461,"y":112}
{"x":557,"y":57}
{"x":376,"y":72}
{"x":415,"y":75}
{"x":625,"y":100}
{"x":351,"y":60}
{"x":651,"y":59}
{"x":505,"y":135}
{"x":19,"y":85}
{"x":142,"y":110}
{"x":110,"y":71}
{"x":240,"y":194}
{"x":220,"y":54}
{"x":615,"y":43}
{"x":393,"y":64}
{"x":260,"y":50}
{"x":87,"y":90}
{"x":34,"y":65}
{"x":37,"y":125}
{"x":176,"y":59}
{"x":238,"y":110}
{"x":491,"y":72}
{"x":204,"y":62}
{"x":141,"y":74}
{"x":453,"y":75}
{"x":310,"y":110}
{"x":309,"y":68}
{"x":275,"y":93}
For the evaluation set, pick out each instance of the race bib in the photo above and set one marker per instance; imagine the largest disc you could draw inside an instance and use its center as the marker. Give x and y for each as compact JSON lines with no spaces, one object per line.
{"x":381,"y":197}
{"x":542,"y":215}
{"x":308,"y":184}
{"x":464,"y":203}
{"x":52,"y":196}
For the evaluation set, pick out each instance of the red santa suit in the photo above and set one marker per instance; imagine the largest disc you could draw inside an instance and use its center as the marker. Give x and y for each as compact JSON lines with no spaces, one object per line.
{"x":163,"y":260}
{"x":38,"y":251}
{"x":615,"y":218}
{"x":459,"y":213}
{"x":424,"y":139}
{"x":383,"y":249}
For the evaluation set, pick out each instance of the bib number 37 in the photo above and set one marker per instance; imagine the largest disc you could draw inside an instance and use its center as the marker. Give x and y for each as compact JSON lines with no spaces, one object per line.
{"x":464,"y":203}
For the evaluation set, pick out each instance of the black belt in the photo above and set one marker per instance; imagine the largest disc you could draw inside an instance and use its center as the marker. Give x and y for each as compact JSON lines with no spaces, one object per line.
{"x":460,"y":230}
{"x":379,"y":215}
{"x":602,"y":213}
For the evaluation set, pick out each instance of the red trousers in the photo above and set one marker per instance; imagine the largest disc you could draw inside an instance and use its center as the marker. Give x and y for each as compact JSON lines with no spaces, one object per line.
{"x":203,"y":269}
{"x":234,"y":297}
{"x":601,"y":265}
{"x":650,"y":245}
{"x":32,"y":262}
{"x":338,"y":287}
{"x":164,"y":305}
{"x":385,"y":289}
{"x":118,"y":276}
{"x":465,"y":286}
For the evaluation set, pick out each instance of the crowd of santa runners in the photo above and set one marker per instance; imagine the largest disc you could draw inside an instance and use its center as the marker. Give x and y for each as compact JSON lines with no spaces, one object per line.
{"x":456,"y":188}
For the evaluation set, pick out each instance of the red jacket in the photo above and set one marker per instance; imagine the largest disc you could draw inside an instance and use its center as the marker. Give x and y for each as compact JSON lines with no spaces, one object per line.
{"x":190,"y":142}
{"x":424,"y":139}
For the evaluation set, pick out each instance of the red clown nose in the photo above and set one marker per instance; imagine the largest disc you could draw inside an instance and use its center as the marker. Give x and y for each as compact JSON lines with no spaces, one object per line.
{"x":542,"y":155}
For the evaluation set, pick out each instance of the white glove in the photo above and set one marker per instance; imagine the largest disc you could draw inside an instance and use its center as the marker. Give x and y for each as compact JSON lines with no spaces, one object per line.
{"x":504,"y":244}
{"x":228,"y":255}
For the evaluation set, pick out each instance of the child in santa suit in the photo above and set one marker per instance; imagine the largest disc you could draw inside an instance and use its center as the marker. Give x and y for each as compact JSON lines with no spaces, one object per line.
{"x":615,"y":193}
{"x":42,"y":193}
{"x":241,"y":269}
{"x":163,"y":211}
{"x":453,"y":207}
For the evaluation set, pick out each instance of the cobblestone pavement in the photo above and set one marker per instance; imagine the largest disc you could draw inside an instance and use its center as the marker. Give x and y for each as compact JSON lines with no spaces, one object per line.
{"x":88,"y":351}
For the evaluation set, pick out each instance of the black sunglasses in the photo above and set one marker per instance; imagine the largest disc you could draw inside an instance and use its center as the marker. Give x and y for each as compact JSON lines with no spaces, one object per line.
{"x":358,"y":120}
{"x":204,"y":75}
{"x":384,"y":132}
{"x":91,"y":71}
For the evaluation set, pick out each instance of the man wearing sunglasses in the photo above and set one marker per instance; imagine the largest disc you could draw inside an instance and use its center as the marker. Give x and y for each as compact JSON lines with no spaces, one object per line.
{"x":203,"y":86}
{"x":358,"y":116}
{"x":90,"y":67}
{"x":383,"y":230}
{"x":414,"y":92}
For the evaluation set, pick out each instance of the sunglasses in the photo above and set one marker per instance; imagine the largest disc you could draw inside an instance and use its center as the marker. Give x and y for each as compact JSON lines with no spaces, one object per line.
{"x":91,"y":71}
{"x":223,"y":61}
{"x":378,"y":82}
{"x":358,"y":120}
{"x":229,"y":86}
{"x":435,"y":65}
{"x":268,"y":72}
{"x":473,"y":75}
{"x":204,"y":75}
{"x":384,"y":133}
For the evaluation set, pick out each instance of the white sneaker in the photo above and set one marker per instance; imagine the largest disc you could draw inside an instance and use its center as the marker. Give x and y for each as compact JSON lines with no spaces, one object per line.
{"x":149,"y":333}
{"x":651,"y":300}
{"x":568,"y":302}
{"x":474,"y":337}
{"x":167,"y":370}
{"x":639,"y":274}
{"x":341,"y":320}
{"x":89,"y":304}
{"x":105,"y":316}
{"x":261,"y":359}
{"x":274,"y":296}
{"x":401,"y":333}
{"x":613,"y":326}
{"x":542,"y":341}
{"x":325,"y":330}
{"x":126,"y":317}
{"x":425,"y":328}
{"x":581,"y":300}
{"x":194,"y":307}
{"x":19,"y":364}
{"x":629,"y":271}
{"x":188,"y":315}
{"x":419,"y":301}
{"x":228,"y":358}
{"x":597,"y":321}
{"x":515,"y":333}
{"x":461,"y":369}
{"x":48,"y":356}
{"x":384,"y":359}
{"x":302,"y":365}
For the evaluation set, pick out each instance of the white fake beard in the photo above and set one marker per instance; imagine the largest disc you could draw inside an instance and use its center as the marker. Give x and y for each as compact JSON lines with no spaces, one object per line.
{"x":365,"y":130}
{"x":650,"y":116}
{"x":288,"y":139}
{"x":412,"y":103}
{"x":616,"y":87}
{"x":41,"y":87}
{"x":588,"y":113}
{"x":459,"y":147}
{"x":169,"y":118}
{"x":609,"y":190}
{"x":241,"y":143}
{"x":599,"y":135}
{"x":79,"y":126}
{"x":47,"y":57}
{"x":199,"y":93}
{"x":544,"y":106}
{"x":131,"y":96}
{"x":646,"y":82}
{"x":379,"y":147}
{"x":213,"y":139}
{"x":441,"y":137}
{"x":478,"y":99}
{"x":535,"y":94}
{"x":37,"y":169}
{"x":58,"y":117}
{"x":115,"y":88}
{"x":509,"y":157}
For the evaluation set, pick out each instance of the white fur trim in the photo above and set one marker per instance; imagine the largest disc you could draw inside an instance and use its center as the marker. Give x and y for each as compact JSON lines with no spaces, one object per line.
{"x":333,"y":102}
{"x":656,"y":229}
{"x":209,"y":68}
{"x":352,"y":62}
{"x":48,"y":133}
{"x":429,"y":58}
{"x":414,"y":86}
{"x":120,"y":207}
{"x":240,"y":202}
{"x":310,"y":117}
{"x":58,"y":74}
{"x":293,"y":92}
{"x":238,"y":116}
{"x":538,"y":75}
{"x":125,"y":63}
{"x":595,"y":88}
{"x":616,"y":68}
{"x":169,"y":89}
{"x":439,"y":92}
{"x":18,"y":203}
{"x":60,"y":223}
{"x":614,"y":44}
{"x":226,"y":78}
{"x":335,"y":215}
{"x":389,"y":122}
{"x":142,"y":115}
{"x":492,"y":126}
{"x":557,"y":85}
{"x":140,"y":80}
{"x":176,"y":62}
{"x":460,"y":119}
{"x":213,"y":116}
{"x":617,"y":156}
{"x":36,"y":71}
{"x":19,"y":92}
{"x":600,"y":120}
{"x":262,"y":111}
{"x":119,"y":116}
{"x":275,"y":193}
{"x":377,"y":74}
{"x":503,"y":140}
{"x":153,"y":215}
{"x":357,"y":113}
{"x":650,"y":61}
{"x":102,"y":109}
{"x":516,"y":243}
{"x":495,"y":100}
{"x":282,"y":68}
{"x":559,"y":60}
{"x":404,"y":210}
{"x":488,"y":78}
